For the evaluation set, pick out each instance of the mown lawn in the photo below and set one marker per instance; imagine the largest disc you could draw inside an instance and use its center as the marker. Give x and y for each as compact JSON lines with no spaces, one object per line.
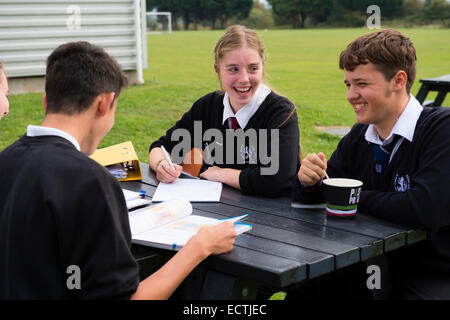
{"x":301,"y":64}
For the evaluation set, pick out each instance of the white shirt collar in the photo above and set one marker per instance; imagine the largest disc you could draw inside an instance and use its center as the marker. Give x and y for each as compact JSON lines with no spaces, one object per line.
{"x":36,"y":131}
{"x":405,"y":125}
{"x":246,"y":112}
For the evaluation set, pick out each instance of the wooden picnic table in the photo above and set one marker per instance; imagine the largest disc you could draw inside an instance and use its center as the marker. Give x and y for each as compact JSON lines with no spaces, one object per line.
{"x":440,"y":84}
{"x":286,"y":246}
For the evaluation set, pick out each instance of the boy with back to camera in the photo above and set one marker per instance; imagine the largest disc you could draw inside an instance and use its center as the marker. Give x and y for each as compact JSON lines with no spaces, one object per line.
{"x":401,"y":151}
{"x":60,"y":210}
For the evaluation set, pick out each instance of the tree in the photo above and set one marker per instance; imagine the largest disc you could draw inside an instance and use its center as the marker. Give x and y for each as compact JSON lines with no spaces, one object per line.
{"x":389,"y":8}
{"x":436,"y":10}
{"x":297,"y":11}
{"x":191,"y":11}
{"x":194,"y":10}
{"x":166,"y":5}
{"x":286,"y":10}
{"x":234,"y":8}
{"x":412,"y":7}
{"x":259,"y":18}
{"x":211,"y":10}
{"x":320,"y":11}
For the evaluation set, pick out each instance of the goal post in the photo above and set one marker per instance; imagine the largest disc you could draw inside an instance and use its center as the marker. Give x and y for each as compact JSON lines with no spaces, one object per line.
{"x":159,"y":22}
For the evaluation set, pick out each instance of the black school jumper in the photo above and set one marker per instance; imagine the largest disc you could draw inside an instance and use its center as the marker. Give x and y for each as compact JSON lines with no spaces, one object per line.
{"x":276,"y":112}
{"x":59,"y":208}
{"x":413,"y":190}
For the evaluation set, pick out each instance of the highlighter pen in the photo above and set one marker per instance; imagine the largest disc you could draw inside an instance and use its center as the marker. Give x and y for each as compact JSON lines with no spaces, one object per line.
{"x":166,"y":155}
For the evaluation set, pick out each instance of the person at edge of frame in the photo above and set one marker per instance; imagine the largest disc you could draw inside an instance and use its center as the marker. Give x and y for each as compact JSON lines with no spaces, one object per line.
{"x":4,"y":90}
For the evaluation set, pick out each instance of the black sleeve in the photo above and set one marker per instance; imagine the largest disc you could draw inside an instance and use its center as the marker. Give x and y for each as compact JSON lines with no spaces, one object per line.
{"x":338,"y":166}
{"x":187,"y":121}
{"x":273,"y":182}
{"x":426,"y":204}
{"x":92,"y":220}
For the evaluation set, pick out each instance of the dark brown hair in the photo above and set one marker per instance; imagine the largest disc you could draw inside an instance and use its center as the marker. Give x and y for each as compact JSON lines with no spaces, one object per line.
{"x":78,"y":72}
{"x":388,"y":50}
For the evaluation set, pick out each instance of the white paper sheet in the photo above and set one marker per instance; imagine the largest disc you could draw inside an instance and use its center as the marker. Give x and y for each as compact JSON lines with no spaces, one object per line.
{"x":190,"y":189}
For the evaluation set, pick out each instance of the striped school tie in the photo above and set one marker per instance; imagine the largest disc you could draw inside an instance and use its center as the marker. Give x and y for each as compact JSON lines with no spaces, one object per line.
{"x":382,"y":155}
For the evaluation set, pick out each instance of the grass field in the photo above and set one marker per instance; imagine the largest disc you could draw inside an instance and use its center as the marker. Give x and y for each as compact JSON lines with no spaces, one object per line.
{"x":301,"y":64}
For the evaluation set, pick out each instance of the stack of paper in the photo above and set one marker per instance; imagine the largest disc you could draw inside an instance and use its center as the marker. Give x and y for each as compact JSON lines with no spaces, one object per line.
{"x":117,"y":171}
{"x":191,"y":189}
{"x":134,"y":199}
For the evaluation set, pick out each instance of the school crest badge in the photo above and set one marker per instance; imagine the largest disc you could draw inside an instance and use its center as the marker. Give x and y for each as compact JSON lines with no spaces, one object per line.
{"x":401,"y":183}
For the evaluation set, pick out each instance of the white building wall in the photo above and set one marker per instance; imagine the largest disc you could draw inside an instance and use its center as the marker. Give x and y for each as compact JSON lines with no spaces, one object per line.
{"x":30,"y":30}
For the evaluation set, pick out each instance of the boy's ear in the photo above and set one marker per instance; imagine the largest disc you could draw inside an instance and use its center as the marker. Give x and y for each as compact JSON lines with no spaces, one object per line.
{"x":400,"y":79}
{"x":104,"y":102}
{"x":216,"y":68}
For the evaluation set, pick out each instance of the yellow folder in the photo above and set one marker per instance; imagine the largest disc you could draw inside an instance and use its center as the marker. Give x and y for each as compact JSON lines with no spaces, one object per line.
{"x":122,"y":153}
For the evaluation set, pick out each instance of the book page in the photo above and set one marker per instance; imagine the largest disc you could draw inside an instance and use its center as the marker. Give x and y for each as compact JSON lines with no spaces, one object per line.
{"x":177,"y":232}
{"x":191,"y":189}
{"x":159,"y":214}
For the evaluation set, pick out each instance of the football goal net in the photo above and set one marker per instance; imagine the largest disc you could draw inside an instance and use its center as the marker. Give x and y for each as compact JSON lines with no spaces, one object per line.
{"x":159,"y":22}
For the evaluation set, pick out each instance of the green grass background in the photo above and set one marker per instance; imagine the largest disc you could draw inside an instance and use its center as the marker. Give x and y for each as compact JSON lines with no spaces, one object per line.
{"x":301,"y":64}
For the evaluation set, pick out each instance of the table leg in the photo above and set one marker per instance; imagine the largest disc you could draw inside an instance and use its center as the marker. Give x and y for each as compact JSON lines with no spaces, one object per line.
{"x":380,"y":288}
{"x":439,"y":99}
{"x":422,"y":94}
{"x":148,"y":260}
{"x":212,"y":285}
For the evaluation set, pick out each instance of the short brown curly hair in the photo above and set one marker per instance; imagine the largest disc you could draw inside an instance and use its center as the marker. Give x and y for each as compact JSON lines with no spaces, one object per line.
{"x":389,"y":50}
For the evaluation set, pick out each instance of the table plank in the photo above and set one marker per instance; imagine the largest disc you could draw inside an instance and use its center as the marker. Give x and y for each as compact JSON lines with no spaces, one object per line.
{"x":272,"y":270}
{"x":289,"y":245}
{"x":347,"y":247}
{"x":394,"y":235}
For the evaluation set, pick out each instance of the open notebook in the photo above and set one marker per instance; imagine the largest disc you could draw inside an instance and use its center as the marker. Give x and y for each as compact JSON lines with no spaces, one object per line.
{"x":171,"y":224}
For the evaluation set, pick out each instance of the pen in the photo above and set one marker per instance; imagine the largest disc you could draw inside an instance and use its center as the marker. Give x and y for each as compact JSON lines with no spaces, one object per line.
{"x":166,"y":155}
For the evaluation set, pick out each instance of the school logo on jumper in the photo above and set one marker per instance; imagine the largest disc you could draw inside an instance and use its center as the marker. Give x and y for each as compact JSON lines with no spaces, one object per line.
{"x":248,"y":153}
{"x":235,"y":147}
{"x":354,"y":196}
{"x":401,"y":183}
